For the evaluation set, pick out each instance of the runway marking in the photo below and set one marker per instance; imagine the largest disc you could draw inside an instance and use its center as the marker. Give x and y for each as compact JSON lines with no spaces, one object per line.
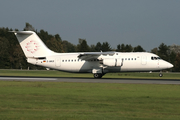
{"x":25,"y":78}
{"x":88,"y":80}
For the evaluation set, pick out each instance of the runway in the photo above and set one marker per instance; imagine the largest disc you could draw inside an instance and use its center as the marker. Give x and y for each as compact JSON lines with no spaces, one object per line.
{"x":91,"y":80}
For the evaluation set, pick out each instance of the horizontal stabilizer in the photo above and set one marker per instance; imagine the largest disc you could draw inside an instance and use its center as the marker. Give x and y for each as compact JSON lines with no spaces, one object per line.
{"x":22,"y":32}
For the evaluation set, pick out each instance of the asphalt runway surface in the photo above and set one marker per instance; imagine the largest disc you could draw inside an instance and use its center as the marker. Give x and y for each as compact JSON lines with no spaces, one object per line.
{"x":92,"y":80}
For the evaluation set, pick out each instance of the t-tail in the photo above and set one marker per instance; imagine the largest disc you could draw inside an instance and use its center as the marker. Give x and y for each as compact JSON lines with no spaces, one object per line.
{"x":32,"y":45}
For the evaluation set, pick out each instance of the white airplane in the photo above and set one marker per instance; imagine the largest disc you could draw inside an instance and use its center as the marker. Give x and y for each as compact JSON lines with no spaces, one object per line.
{"x":98,"y":63}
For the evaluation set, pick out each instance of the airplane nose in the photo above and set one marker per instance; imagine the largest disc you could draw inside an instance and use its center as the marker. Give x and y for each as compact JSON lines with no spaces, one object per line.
{"x":169,"y":65}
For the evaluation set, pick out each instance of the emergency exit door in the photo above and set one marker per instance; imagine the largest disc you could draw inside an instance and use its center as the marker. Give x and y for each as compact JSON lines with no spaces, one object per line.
{"x":58,"y":62}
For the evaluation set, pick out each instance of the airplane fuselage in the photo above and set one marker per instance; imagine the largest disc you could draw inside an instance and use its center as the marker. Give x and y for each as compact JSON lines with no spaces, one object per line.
{"x":133,"y":61}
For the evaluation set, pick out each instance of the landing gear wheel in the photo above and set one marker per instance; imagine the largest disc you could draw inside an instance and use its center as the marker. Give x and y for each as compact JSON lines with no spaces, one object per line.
{"x":160,"y":74}
{"x":96,"y":75}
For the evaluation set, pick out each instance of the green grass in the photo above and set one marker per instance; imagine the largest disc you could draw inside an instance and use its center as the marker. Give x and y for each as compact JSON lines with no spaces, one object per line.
{"x":53,"y":73}
{"x":87,"y":101}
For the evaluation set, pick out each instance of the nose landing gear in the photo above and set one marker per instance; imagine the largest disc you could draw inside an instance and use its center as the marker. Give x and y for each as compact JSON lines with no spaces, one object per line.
{"x":160,"y":74}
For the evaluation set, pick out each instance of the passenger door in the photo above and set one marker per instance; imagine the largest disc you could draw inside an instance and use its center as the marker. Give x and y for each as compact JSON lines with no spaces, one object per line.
{"x":143,"y":60}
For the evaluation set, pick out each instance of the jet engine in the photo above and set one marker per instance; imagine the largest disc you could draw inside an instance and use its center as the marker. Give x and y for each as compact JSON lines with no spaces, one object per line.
{"x":112,"y":62}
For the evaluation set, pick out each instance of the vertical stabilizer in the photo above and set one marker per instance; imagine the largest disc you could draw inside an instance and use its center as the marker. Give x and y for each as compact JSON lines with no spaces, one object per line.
{"x":31,"y":44}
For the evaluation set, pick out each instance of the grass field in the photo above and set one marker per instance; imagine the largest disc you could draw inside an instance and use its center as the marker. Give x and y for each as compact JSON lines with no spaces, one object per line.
{"x":53,"y":73}
{"x":88,"y":101}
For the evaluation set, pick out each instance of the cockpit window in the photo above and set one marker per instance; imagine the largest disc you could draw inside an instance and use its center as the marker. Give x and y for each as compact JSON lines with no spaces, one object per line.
{"x":155,"y":58}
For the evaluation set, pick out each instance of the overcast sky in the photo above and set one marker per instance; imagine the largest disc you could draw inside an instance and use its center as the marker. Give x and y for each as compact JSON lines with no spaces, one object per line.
{"x":137,"y":22}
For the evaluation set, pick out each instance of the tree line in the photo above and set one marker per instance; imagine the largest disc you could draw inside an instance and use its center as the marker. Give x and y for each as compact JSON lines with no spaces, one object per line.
{"x":12,"y":56}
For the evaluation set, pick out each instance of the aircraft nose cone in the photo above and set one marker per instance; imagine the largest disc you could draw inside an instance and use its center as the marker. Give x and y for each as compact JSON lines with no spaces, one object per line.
{"x":169,"y":65}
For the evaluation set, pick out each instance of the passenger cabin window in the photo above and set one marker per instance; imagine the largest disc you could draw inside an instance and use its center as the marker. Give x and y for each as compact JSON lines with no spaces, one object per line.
{"x":128,"y":59}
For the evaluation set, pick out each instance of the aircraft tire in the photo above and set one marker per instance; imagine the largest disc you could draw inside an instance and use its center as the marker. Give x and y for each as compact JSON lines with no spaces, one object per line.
{"x":160,"y":74}
{"x":96,"y":75}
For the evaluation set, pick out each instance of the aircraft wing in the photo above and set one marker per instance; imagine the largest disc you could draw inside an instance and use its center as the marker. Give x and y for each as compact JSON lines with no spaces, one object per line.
{"x":93,"y":55}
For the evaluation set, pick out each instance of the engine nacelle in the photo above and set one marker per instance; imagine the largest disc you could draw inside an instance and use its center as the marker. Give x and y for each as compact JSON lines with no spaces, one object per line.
{"x":113,"y":62}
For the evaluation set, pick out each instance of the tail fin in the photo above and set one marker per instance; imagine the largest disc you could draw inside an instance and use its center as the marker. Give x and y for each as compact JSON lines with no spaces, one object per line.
{"x":31,"y":44}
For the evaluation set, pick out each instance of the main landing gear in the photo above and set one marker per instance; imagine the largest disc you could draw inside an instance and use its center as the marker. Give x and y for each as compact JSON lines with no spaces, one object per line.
{"x":98,"y":72}
{"x":98,"y":75}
